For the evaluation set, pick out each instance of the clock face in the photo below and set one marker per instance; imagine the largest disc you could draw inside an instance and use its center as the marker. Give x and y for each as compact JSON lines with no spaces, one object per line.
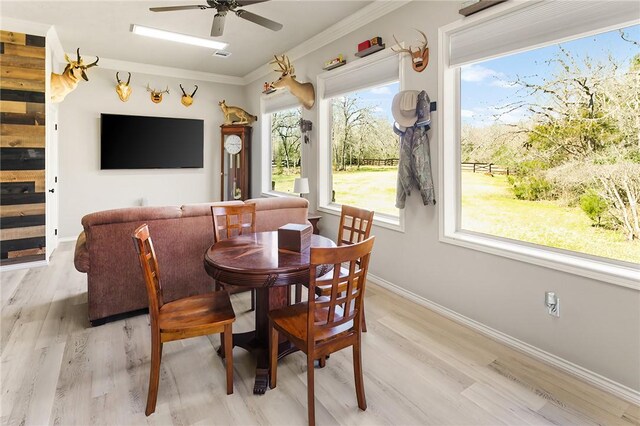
{"x":233,"y":144}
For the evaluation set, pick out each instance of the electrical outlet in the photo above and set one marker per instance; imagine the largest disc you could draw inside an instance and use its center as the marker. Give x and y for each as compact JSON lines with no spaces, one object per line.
{"x":552,"y":302}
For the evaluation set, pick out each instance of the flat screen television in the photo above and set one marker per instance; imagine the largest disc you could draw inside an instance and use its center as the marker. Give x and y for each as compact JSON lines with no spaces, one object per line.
{"x":136,"y":142}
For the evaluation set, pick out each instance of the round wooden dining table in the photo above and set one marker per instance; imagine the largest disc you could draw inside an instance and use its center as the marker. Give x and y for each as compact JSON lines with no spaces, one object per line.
{"x":254,"y":260}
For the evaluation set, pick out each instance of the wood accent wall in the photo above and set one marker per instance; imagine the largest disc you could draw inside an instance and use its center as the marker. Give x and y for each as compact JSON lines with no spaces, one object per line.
{"x":22,"y":148}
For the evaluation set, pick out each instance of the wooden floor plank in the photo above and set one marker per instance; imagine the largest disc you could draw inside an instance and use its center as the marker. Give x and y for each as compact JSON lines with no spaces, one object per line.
{"x":419,"y":369}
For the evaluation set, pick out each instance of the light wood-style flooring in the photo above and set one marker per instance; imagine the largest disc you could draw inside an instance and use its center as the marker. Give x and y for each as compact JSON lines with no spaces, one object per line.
{"x":419,"y":369}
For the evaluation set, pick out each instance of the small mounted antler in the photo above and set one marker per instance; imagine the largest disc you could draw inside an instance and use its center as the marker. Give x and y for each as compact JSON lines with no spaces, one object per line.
{"x":123,"y":89}
{"x":419,"y":56}
{"x":156,"y":95}
{"x":187,"y":100}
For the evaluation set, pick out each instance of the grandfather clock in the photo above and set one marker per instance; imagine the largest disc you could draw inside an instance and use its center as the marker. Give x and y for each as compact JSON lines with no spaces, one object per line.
{"x":235,"y":167}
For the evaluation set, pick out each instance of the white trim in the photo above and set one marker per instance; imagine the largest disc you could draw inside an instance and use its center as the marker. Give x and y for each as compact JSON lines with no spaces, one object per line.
{"x":118,"y":65}
{"x":67,"y":239}
{"x":26,"y":27}
{"x":625,"y":276}
{"x":362,"y":17}
{"x":23,"y":265}
{"x":379,"y":219}
{"x":614,"y":272}
{"x":592,"y":378}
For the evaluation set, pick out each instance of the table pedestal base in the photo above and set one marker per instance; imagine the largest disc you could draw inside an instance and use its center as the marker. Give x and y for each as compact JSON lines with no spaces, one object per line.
{"x":257,"y":342}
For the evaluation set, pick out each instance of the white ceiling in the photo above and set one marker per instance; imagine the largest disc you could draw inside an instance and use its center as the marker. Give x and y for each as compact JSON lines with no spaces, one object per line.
{"x":102,"y":28}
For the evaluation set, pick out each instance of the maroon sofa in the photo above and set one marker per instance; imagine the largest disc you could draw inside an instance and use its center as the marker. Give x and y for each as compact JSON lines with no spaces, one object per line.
{"x":181,"y":235}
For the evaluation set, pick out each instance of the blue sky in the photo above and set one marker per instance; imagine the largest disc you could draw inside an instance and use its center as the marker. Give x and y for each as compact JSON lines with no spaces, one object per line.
{"x":485,"y":85}
{"x":380,"y":98}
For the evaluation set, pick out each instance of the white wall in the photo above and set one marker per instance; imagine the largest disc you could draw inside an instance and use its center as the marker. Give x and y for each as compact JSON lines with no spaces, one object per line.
{"x":84,"y":188}
{"x":599,"y":328}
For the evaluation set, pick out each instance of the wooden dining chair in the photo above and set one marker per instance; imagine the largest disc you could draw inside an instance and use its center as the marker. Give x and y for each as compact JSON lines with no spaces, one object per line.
{"x":229,"y":221}
{"x":355,"y":226}
{"x":326,"y":324}
{"x":180,"y":319}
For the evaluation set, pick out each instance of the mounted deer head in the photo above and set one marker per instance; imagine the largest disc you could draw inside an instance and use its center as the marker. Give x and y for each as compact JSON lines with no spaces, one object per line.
{"x":123,"y":89}
{"x":156,"y":95}
{"x":187,"y":100}
{"x":419,"y":56}
{"x":303,"y":91}
{"x":65,"y":83}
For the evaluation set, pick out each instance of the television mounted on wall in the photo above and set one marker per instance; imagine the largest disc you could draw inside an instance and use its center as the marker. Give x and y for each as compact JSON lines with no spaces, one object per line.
{"x":137,"y":142}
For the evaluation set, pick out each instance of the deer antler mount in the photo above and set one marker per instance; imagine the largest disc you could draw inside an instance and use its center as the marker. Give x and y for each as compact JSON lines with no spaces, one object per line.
{"x":419,"y":55}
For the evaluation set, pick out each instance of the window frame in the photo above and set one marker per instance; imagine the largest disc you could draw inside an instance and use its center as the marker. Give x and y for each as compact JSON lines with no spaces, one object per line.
{"x":621,"y":273}
{"x":325,"y":124}
{"x":265,"y":131}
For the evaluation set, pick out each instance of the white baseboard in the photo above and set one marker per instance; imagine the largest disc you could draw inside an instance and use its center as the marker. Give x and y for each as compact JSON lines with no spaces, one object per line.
{"x":16,"y":266}
{"x":67,"y":239}
{"x":595,"y":379}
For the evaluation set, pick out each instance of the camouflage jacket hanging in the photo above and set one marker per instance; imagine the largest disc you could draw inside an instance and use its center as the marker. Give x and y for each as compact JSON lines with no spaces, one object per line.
{"x":414,"y":169}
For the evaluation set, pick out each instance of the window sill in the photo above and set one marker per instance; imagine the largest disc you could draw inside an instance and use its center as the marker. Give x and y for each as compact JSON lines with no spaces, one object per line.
{"x":395,"y":224}
{"x":610,"y":272}
{"x":278,"y":194}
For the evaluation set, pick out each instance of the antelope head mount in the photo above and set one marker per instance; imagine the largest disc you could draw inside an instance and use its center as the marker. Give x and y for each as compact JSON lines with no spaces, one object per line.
{"x":305,"y":92}
{"x":156,"y":95}
{"x":187,"y":100}
{"x":65,"y":83}
{"x":123,"y":89}
{"x":419,"y":55}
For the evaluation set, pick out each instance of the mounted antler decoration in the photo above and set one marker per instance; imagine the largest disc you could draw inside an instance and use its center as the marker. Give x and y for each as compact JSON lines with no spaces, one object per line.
{"x":65,"y":83}
{"x":123,"y":89}
{"x":156,"y":95}
{"x":187,"y":100}
{"x":419,"y":57}
{"x":303,"y":91}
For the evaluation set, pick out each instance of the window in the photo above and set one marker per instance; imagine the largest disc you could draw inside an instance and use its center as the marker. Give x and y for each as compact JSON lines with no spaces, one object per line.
{"x":285,"y":149}
{"x":358,"y":148}
{"x":540,"y":153}
{"x":282,"y":159}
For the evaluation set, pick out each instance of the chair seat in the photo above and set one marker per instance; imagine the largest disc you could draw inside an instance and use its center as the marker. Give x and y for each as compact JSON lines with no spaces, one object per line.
{"x":196,"y":312}
{"x":293,"y":321}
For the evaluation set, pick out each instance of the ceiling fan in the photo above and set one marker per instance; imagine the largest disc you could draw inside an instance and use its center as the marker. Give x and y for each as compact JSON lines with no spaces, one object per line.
{"x":222,"y":7}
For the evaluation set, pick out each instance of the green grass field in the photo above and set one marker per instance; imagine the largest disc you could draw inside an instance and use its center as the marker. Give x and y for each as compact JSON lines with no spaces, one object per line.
{"x":372,"y":188}
{"x":489,"y":207}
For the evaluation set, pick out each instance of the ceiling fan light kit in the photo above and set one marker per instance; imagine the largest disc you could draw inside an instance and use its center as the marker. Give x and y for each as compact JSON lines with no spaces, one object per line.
{"x":177,"y":37}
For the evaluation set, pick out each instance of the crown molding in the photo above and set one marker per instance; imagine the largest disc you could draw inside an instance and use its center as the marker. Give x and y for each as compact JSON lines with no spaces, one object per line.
{"x":118,"y":65}
{"x":370,"y":13}
{"x":25,"y":27}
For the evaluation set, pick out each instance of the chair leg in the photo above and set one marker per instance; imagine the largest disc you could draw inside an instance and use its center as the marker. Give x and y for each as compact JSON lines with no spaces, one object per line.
{"x":273,"y":358}
{"x":253,"y":300}
{"x":228,"y":355}
{"x":298,"y":293}
{"x":154,"y":373}
{"x":364,"y":321}
{"x":311,"y":398}
{"x":322,"y":361}
{"x":357,"y":372}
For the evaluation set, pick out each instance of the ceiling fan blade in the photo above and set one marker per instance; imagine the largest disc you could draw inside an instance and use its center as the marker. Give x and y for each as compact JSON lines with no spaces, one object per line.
{"x":260,"y":20}
{"x":242,"y":3}
{"x":217,"y":28}
{"x":172,"y":8}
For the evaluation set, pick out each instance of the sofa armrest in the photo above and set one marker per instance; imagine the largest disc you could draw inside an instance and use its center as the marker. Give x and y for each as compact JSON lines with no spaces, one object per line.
{"x":81,"y":256}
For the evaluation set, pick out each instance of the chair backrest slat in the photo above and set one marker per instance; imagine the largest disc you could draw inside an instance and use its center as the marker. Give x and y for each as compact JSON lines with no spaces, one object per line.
{"x":150,"y":270}
{"x":344,"y":304}
{"x":229,"y":221}
{"x":355,"y":225}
